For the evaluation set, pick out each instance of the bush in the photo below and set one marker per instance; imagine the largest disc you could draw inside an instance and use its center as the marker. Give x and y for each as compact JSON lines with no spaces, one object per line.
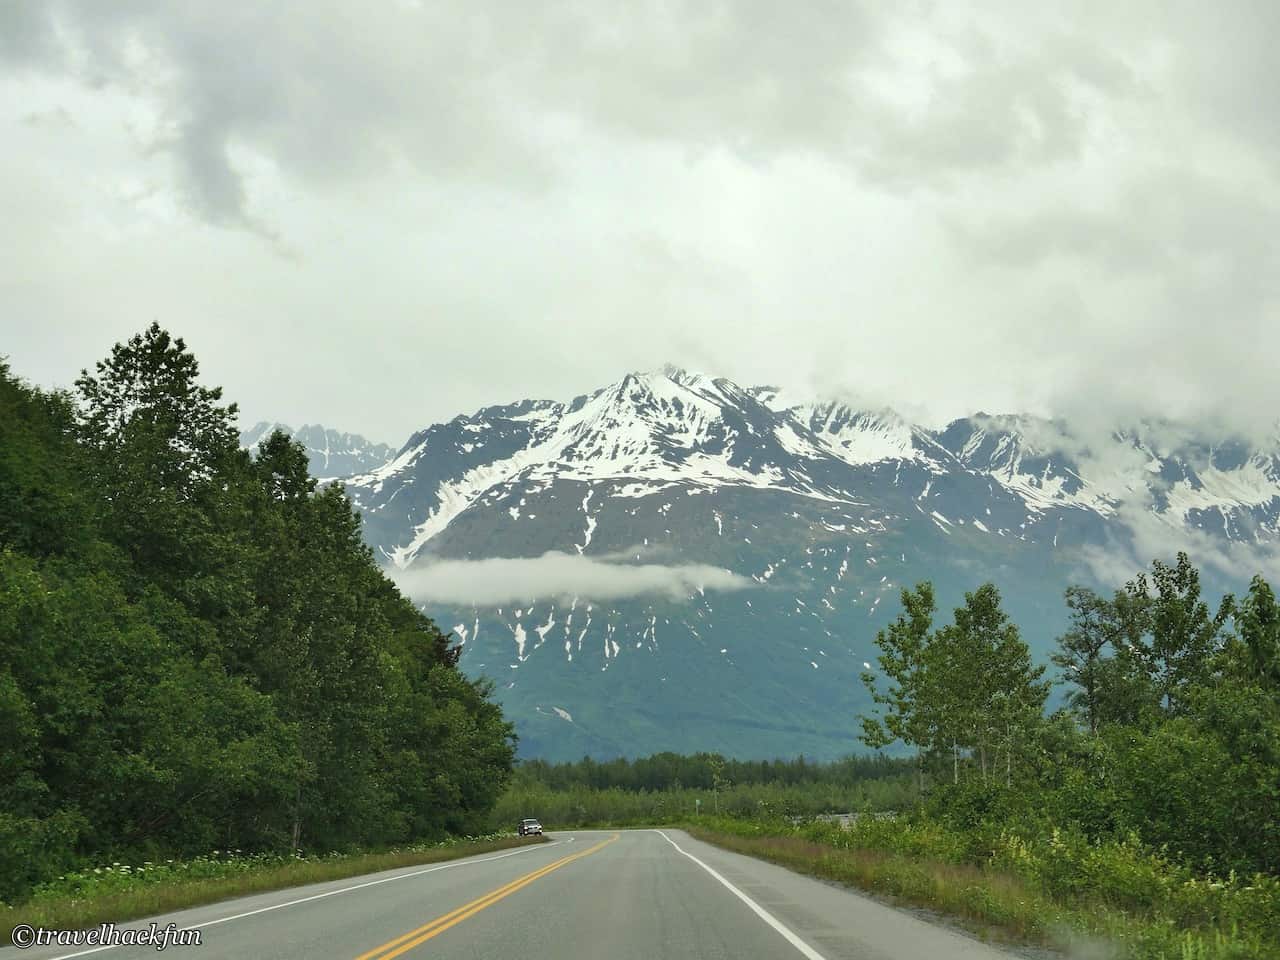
{"x":33,"y":851}
{"x":1056,"y":885}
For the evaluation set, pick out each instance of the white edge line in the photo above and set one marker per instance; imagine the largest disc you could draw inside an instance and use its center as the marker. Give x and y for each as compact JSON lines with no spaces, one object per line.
{"x":758,"y":910}
{"x":320,"y":896}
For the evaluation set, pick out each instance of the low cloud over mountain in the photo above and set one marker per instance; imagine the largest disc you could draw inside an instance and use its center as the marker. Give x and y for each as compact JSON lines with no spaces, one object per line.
{"x":557,"y":575}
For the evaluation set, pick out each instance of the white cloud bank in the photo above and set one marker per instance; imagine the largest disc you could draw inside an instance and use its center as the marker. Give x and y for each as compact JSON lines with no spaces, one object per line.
{"x":1151,"y":537}
{"x":1059,"y":209}
{"x":515,"y":579}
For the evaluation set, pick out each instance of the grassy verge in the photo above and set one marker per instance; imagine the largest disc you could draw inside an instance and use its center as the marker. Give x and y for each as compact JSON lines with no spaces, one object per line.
{"x":1000,"y":905}
{"x":119,"y":893}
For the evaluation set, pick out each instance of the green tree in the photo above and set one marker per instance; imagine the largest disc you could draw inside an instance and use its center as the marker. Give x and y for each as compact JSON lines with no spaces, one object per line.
{"x":145,"y":407}
{"x":902,"y":645}
{"x":979,"y":677}
{"x":197,"y":650}
{"x":966,"y":688}
{"x":1093,"y":629}
{"x":44,"y":509}
{"x":165,"y":462}
{"x":1258,"y":622}
{"x":1183,"y":635}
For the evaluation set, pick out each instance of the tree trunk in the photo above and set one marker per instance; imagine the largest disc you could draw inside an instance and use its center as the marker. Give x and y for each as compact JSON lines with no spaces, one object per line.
{"x":1008,"y":756}
{"x":955,"y":762}
{"x":1093,"y":706}
{"x":297,"y":820}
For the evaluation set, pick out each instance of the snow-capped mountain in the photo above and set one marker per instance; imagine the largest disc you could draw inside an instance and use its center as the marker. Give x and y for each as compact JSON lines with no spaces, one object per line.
{"x":331,"y":454}
{"x":818,"y":512}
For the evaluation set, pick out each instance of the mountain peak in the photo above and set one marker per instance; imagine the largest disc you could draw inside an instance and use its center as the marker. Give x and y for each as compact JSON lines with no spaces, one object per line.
{"x":684,"y":376}
{"x":601,"y":519}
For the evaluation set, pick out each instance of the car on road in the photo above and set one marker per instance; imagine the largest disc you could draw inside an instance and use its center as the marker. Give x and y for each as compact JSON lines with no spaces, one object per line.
{"x":529,"y":827}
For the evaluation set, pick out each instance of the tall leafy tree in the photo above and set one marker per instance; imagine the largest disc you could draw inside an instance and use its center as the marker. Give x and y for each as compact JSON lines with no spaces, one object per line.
{"x":166,"y":463}
{"x":980,"y":677}
{"x":1183,"y":634}
{"x":1099,"y":630}
{"x":144,"y":408}
{"x":902,"y":645}
{"x":1258,"y":622}
{"x":1080,"y":649}
{"x":966,"y":688}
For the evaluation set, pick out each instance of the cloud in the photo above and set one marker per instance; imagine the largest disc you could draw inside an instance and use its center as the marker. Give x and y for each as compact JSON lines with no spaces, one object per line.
{"x":328,"y":91}
{"x":1165,"y":286}
{"x":1147,"y":536}
{"x":936,"y":207}
{"x":513,"y":580}
{"x":497,"y":92}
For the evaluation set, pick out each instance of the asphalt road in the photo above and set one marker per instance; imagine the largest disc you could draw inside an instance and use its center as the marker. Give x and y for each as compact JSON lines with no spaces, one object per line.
{"x":629,"y":895}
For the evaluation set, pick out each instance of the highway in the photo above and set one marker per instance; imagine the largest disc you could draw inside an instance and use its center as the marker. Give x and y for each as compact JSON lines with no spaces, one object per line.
{"x":629,"y":895}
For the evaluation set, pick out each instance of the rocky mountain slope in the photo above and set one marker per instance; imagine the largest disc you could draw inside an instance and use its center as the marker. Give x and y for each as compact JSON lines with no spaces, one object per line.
{"x":676,"y":562}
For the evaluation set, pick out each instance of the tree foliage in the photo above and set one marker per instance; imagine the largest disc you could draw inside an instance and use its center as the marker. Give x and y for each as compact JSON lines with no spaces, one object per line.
{"x":197,"y":650}
{"x":699,"y":771}
{"x":965,"y":693}
{"x":1170,"y":730}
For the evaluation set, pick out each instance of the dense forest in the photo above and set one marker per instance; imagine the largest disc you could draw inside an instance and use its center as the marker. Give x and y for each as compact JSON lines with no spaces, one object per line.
{"x":197,"y":651}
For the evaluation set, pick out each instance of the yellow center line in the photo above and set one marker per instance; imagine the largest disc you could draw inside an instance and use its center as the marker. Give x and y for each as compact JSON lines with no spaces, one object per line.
{"x":419,"y":936}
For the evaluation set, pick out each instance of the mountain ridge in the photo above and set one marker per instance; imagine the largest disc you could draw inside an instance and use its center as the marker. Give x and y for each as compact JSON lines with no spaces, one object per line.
{"x":818,"y":511}
{"x":331,"y":453}
{"x":693,"y":434}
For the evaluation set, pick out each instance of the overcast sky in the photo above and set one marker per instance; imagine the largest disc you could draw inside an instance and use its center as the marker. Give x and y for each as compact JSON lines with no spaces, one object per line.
{"x":378,"y":215}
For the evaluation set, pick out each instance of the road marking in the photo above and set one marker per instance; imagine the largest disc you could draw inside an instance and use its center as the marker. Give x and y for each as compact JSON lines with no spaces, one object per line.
{"x":330,"y":893}
{"x":759,"y":911}
{"x":415,"y":938}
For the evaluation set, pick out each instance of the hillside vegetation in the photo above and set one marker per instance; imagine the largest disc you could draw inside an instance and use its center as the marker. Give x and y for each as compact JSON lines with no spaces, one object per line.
{"x":1171,"y":734}
{"x":198,"y":652}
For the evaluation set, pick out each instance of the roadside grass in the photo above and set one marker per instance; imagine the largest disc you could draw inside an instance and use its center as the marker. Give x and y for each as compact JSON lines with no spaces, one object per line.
{"x":998,"y":904}
{"x":121,"y":892}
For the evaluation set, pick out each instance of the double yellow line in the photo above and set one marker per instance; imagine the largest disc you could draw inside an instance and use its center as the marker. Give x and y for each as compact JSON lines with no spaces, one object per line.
{"x":415,"y":938}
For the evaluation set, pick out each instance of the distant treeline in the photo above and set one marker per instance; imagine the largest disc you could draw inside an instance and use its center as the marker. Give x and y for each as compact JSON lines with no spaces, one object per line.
{"x":706,"y":771}
{"x":670,"y":787}
{"x":198,"y":652}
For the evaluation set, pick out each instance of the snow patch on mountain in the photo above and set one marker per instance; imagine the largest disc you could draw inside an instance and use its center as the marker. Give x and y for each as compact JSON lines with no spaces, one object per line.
{"x":858,"y":437}
{"x":679,"y":432}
